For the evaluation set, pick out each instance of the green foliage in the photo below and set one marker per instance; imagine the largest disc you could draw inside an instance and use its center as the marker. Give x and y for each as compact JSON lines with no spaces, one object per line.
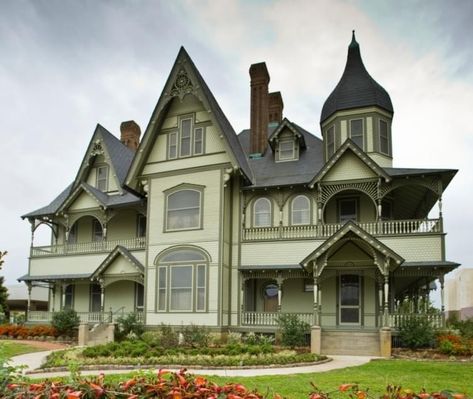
{"x":169,"y":337}
{"x":195,"y":336}
{"x":128,"y":327}
{"x":293,"y":330}
{"x":3,"y":292}
{"x":65,"y":322}
{"x":417,"y":332}
{"x":8,"y":373}
{"x":464,"y":327}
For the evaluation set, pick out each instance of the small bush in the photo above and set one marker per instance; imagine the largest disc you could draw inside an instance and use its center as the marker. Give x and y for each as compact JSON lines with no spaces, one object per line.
{"x":169,"y":337}
{"x":128,"y":327}
{"x":417,"y":332}
{"x":152,"y":338}
{"x":65,"y":322}
{"x":293,"y":330}
{"x":465,"y":327}
{"x":195,"y":336}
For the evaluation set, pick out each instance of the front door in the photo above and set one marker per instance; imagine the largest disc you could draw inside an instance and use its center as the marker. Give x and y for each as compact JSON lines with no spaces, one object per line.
{"x":270,"y":294}
{"x":349,"y":299}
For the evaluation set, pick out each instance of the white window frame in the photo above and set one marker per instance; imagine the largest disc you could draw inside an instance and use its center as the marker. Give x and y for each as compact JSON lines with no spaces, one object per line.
{"x":388,"y":152}
{"x":191,"y":125}
{"x":197,"y":287}
{"x":162,"y":307}
{"x":173,"y":143}
{"x":330,"y":133}
{"x":166,"y":222}
{"x":362,"y":146}
{"x":175,"y":138}
{"x":280,"y":152}
{"x":95,"y":224}
{"x":171,"y":269}
{"x":308,"y":209}
{"x":270,"y":212}
{"x":104,"y":179}
{"x":201,"y":141}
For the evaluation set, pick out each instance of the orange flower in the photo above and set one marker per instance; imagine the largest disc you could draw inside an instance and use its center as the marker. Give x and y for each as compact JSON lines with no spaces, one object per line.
{"x":199,"y":381}
{"x":129,"y":384}
{"x":361,"y":395}
{"x":425,"y":395}
{"x":458,"y":396}
{"x":345,"y":387}
{"x":74,"y":395}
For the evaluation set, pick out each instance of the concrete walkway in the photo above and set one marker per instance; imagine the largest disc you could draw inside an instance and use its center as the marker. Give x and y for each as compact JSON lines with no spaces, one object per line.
{"x":34,"y":360}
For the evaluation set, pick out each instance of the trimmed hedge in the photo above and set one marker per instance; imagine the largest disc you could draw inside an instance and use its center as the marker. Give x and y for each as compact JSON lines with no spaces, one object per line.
{"x":21,"y":331}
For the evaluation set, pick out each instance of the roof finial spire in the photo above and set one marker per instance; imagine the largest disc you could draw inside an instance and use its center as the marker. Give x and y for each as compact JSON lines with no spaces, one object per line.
{"x":353,"y":43}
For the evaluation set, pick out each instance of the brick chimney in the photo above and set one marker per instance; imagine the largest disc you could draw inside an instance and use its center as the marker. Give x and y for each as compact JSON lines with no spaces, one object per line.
{"x":259,"y":108}
{"x":130,"y":134}
{"x":275,"y":107}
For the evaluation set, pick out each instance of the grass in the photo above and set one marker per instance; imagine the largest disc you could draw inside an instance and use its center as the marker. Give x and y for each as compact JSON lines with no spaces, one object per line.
{"x":376,"y":375}
{"x":13,"y":348}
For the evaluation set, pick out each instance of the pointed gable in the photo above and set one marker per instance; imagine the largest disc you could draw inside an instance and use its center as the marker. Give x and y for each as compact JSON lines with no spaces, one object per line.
{"x":185,"y":80}
{"x":349,"y":162}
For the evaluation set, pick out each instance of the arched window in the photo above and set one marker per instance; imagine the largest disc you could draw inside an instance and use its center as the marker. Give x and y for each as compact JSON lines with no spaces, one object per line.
{"x":300,"y":212}
{"x":182,"y":281}
{"x":183,"y":210}
{"x":262,"y":212}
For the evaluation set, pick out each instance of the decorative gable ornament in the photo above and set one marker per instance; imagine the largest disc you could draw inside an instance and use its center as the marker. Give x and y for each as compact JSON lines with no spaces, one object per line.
{"x":182,"y":85}
{"x":97,"y":148}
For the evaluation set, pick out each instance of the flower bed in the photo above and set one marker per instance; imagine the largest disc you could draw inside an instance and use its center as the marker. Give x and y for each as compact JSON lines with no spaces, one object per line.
{"x":182,"y":385}
{"x":23,"y":332}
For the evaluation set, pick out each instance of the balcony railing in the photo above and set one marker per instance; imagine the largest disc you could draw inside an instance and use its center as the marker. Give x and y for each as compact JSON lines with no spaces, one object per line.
{"x":385,"y":227}
{"x":270,"y":318}
{"x":87,"y":247}
{"x":85,"y":317}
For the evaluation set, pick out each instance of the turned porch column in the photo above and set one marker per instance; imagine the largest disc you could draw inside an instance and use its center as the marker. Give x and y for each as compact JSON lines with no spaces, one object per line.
{"x":63,"y":295}
{"x":316,"y":302}
{"x":386,"y":301}
{"x":28,"y":306}
{"x":279,"y":281}
{"x":442,"y":298}
{"x":102,"y":296}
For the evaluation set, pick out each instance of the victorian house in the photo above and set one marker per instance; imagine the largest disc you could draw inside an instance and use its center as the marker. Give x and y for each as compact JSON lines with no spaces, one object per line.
{"x":198,"y":224}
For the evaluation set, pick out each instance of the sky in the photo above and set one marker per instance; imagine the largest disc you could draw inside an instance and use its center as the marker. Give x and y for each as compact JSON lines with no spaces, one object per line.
{"x":67,"y":65}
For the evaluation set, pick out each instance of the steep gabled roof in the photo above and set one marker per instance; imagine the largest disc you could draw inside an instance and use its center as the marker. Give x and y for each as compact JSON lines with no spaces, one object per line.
{"x":200,"y":88}
{"x":52,"y":207}
{"x":296,"y":130}
{"x":356,"y":88}
{"x":118,"y":251}
{"x":349,"y":145}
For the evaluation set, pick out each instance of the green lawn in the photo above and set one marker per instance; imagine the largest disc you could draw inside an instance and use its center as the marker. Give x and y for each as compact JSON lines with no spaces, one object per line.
{"x":374,"y":375}
{"x":13,"y":348}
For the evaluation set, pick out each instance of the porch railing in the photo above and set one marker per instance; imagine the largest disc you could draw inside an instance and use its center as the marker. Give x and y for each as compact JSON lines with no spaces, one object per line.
{"x":385,"y":227}
{"x":85,"y":317}
{"x":87,"y":247}
{"x":269,"y":318}
{"x":396,"y":320}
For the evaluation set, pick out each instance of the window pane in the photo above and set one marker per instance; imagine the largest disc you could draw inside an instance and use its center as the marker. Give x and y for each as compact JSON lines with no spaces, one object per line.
{"x":262,"y":210}
{"x":181,"y":299}
{"x":300,"y":210}
{"x":349,"y":290}
{"x":185,"y":137}
{"x":69,"y":296}
{"x":141,"y":226}
{"x":162,"y":288}
{"x":181,"y":276}
{"x":172,"y":145}
{"x":140,"y":295}
{"x":350,"y":315}
{"x":95,"y":298}
{"x":72,"y":238}
{"x":182,"y":255}
{"x":183,"y":209}
{"x":97,"y":234}
{"x":286,"y":150}
{"x":383,"y":137}
{"x":330,"y":141}
{"x":356,"y":132}
{"x":181,"y":288}
{"x":184,"y":199}
{"x":102,"y":174}
{"x":186,"y":218}
{"x":198,"y":140}
{"x":348,"y":210}
{"x":201,"y":283}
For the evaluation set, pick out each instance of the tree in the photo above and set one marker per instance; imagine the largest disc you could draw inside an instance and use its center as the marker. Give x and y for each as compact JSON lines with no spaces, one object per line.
{"x":3,"y":291}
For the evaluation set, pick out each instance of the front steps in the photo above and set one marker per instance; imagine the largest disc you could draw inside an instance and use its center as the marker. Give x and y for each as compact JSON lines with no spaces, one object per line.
{"x":97,"y":335}
{"x":353,"y":343}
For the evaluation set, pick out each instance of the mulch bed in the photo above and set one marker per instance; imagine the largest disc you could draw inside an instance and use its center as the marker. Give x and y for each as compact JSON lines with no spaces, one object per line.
{"x":428,"y":354}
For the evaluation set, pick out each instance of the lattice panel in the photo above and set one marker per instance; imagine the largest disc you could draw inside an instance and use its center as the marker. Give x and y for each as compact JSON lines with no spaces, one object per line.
{"x":370,"y":188}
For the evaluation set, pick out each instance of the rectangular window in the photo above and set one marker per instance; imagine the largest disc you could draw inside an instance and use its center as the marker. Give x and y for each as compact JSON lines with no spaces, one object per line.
{"x":141,"y":226}
{"x":185,"y":148}
{"x":162,"y":284}
{"x":286,"y":150}
{"x":69,"y":297}
{"x":95,"y":298}
{"x":200,"y":288}
{"x":183,"y":210}
{"x":330,"y":133}
{"x":181,"y":288}
{"x":102,"y":178}
{"x":347,"y":210}
{"x":383,"y":137}
{"x":356,"y":132}
{"x":139,"y":297}
{"x":350,"y":299}
{"x":172,"y":145}
{"x":97,"y":234}
{"x":72,"y":237}
{"x":198,"y":141}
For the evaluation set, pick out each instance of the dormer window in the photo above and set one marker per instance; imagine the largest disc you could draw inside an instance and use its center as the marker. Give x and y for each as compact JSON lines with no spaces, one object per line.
{"x":356,"y":132}
{"x":188,"y":140}
{"x":286,"y":150}
{"x":102,"y":178}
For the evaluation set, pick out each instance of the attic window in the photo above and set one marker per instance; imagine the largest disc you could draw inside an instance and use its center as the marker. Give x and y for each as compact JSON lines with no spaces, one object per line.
{"x":188,"y":140}
{"x":286,"y":150}
{"x":102,"y":178}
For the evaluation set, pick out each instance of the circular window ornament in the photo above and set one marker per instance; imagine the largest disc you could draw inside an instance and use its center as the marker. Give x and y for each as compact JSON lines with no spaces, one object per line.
{"x":270,"y":290}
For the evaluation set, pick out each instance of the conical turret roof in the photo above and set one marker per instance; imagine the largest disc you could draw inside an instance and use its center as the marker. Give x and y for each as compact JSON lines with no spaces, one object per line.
{"x":356,"y":87}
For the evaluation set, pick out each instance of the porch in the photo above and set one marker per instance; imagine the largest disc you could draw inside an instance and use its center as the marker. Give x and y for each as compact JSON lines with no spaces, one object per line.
{"x":43,"y":317}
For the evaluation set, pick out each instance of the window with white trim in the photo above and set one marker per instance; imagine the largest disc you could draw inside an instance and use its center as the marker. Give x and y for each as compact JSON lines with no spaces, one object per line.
{"x":141,"y":225}
{"x":69,"y":297}
{"x":95,"y":298}
{"x":183,"y":210}
{"x":262,"y":213}
{"x":330,"y":137}
{"x":300,"y":210}
{"x":72,"y":236}
{"x":383,"y":137}
{"x":188,"y":140}
{"x":348,"y":210}
{"x":286,"y":150}
{"x":102,"y":178}
{"x":356,"y":132}
{"x":182,"y":281}
{"x":97,"y":231}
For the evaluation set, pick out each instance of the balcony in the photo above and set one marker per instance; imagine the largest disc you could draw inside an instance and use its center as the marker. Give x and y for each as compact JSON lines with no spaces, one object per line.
{"x":87,"y":247}
{"x":381,"y":228}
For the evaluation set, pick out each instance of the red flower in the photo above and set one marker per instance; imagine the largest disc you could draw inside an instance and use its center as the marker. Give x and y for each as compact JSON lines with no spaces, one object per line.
{"x":345,"y":387}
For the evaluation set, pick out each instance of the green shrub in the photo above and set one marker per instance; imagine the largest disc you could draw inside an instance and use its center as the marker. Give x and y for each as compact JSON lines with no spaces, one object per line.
{"x":65,"y":322}
{"x":152,"y":338}
{"x":128,"y":327}
{"x":169,"y":337}
{"x":293,"y":330}
{"x":464,"y":327}
{"x":195,"y":336}
{"x":417,"y":332}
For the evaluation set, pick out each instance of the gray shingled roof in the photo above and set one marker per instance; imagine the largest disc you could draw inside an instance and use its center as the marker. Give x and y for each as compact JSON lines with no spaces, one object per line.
{"x":267,"y":172}
{"x":52,"y":207}
{"x":52,"y":277}
{"x":356,"y":87}
{"x":110,"y":201}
